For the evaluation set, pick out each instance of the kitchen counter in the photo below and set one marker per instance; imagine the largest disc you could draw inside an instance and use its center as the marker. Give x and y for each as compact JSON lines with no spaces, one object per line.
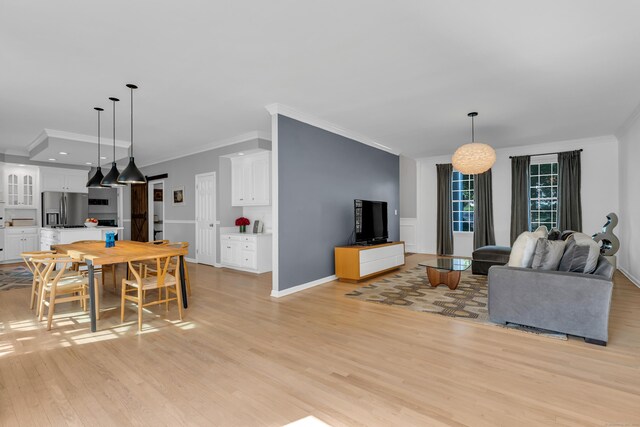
{"x":53,"y":236}
{"x":222,"y":233}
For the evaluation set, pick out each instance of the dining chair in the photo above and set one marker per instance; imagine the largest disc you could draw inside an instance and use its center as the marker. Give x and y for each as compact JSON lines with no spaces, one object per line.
{"x":133,"y":290}
{"x":58,"y":287}
{"x":99,"y":270}
{"x":150,"y":270}
{"x":27,"y":258}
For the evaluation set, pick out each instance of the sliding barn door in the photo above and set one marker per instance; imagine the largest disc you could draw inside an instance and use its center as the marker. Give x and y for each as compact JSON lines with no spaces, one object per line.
{"x":139,"y":213}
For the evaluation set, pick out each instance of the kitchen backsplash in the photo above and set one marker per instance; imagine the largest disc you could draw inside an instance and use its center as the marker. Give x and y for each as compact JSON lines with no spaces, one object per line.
{"x":263,"y":213}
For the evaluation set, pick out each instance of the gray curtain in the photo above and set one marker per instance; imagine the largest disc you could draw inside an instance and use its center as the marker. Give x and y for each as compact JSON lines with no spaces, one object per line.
{"x":519,"y":195}
{"x":569,"y":199}
{"x":483,"y":233}
{"x":444,"y":221}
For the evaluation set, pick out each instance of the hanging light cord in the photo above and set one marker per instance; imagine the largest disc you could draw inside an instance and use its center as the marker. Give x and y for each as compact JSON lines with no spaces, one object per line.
{"x":114,"y":130}
{"x":473,"y":136}
{"x":131,"y":148}
{"x":98,"y":138}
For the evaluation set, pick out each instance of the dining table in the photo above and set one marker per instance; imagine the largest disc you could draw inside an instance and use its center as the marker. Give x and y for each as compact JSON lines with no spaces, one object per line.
{"x":95,"y":254}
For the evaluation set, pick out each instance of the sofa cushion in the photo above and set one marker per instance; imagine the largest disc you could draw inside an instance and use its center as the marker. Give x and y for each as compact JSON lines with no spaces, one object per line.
{"x":594,"y":250}
{"x":575,"y":256}
{"x":548,"y":254}
{"x":525,"y":246}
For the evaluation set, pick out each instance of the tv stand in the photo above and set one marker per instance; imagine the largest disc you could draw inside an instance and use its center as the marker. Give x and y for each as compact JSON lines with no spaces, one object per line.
{"x":356,"y":263}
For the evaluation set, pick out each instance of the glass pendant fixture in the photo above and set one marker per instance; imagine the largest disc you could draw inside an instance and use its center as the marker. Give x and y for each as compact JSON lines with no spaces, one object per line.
{"x":111,"y":180}
{"x":473,"y":158}
{"x":131,"y":174}
{"x":96,"y":179}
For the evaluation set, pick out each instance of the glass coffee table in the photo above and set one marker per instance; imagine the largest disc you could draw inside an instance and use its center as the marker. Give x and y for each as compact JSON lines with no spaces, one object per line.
{"x":445,"y":271}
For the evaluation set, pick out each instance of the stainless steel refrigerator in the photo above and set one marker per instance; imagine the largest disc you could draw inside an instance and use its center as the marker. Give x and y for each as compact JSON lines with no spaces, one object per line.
{"x":68,"y":209}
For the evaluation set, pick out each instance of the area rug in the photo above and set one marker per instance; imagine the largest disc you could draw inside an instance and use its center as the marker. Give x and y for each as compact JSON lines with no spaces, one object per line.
{"x":411,"y":289}
{"x":14,"y":276}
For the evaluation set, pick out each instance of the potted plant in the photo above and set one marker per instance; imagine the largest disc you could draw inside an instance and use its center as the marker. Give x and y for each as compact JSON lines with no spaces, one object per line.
{"x":242,"y":222}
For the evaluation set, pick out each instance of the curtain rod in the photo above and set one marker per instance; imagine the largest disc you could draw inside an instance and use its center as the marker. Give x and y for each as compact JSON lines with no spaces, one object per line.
{"x":547,"y":154}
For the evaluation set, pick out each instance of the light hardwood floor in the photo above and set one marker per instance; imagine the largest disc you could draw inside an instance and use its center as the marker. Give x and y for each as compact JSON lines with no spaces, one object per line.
{"x":243,"y":358}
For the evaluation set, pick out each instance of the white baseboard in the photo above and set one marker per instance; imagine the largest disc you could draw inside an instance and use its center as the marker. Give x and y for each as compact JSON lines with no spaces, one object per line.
{"x":633,"y":279}
{"x":302,"y":287}
{"x":191,"y":260}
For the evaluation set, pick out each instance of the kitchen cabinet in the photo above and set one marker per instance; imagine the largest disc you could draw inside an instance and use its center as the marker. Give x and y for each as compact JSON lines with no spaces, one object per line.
{"x":18,"y":240}
{"x":246,"y":252}
{"x":21,"y":186}
{"x":66,"y":180}
{"x":251,"y":180}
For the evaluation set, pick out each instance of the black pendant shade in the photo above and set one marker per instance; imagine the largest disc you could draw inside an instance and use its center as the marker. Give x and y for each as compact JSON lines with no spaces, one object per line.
{"x":111,"y":180}
{"x":131,"y":174}
{"x":96,"y":180}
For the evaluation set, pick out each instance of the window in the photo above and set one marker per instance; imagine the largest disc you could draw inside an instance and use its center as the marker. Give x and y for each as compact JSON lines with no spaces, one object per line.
{"x":462,"y":201}
{"x":543,"y":196}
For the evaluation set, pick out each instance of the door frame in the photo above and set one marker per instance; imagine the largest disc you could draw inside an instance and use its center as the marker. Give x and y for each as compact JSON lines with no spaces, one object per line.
{"x":215,"y":213}
{"x":151,"y":209}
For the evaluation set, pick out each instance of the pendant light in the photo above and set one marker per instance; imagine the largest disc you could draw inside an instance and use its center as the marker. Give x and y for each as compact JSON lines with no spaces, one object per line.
{"x":111,"y":180}
{"x":95,"y":180}
{"x":473,"y":158}
{"x":131,"y":174}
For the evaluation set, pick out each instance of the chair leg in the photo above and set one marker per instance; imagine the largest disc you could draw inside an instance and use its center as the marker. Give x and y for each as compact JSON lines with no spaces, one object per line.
{"x":123,"y":289}
{"x":33,"y":292}
{"x":41,"y":298}
{"x":140,"y":301}
{"x":52,"y":304}
{"x":179,"y":292}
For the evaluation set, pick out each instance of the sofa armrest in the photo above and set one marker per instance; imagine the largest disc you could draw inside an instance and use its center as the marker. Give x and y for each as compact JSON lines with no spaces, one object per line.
{"x":574,"y":303}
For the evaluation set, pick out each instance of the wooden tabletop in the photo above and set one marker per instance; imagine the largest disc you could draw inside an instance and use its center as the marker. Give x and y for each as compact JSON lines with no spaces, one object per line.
{"x":124,"y":251}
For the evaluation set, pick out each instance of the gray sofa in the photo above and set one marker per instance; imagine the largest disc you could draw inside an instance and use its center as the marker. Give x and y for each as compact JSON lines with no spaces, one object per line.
{"x":572,"y":303}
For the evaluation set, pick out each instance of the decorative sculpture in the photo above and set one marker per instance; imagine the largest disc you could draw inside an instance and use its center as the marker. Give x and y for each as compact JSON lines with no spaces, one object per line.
{"x":609,"y":243}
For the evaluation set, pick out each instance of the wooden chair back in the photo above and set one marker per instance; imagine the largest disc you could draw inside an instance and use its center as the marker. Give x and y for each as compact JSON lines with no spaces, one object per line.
{"x":27,"y":257}
{"x":51,"y":268}
{"x":162,"y":267}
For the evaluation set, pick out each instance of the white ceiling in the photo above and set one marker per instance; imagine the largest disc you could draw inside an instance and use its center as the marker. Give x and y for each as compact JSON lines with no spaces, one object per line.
{"x":403,"y":73}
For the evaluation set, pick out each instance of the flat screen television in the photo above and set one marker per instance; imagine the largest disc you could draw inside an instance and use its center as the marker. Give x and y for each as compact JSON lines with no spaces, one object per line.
{"x":370,"y":222}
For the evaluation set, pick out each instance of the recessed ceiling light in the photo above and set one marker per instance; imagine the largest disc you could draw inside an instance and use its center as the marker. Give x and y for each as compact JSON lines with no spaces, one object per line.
{"x":53,"y":160}
{"x":63,"y":153}
{"x":103,"y":158}
{"x":21,"y":165}
{"x":88,"y":163}
{"x":240,"y":154}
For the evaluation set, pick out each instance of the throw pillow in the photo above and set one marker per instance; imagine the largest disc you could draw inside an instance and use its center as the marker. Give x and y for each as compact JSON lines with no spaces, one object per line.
{"x":594,"y":251}
{"x":554,"y":234}
{"x":575,"y":256}
{"x":548,"y":254}
{"x":525,"y":247}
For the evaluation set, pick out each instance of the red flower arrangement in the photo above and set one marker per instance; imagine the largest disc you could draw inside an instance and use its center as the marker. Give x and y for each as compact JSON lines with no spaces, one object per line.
{"x":242,"y":221}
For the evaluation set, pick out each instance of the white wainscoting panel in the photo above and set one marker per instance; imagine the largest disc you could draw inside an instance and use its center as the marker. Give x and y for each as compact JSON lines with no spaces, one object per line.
{"x":408,"y":233}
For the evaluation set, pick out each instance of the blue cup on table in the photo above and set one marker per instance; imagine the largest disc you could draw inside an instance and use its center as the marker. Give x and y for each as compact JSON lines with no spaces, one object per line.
{"x":110,"y":239}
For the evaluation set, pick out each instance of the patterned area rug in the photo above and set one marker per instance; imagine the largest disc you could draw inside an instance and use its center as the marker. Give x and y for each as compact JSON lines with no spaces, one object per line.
{"x":14,"y":276}
{"x":411,"y":289}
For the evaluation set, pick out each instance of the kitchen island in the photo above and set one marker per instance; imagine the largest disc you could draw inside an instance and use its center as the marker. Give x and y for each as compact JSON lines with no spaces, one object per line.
{"x":54,"y":236}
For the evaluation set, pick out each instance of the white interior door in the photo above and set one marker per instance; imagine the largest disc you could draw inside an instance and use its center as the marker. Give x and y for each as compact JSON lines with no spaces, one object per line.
{"x":206,"y":218}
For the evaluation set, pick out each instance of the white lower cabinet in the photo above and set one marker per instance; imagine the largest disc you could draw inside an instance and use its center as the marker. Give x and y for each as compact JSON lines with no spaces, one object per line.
{"x":246,"y":252}
{"x":18,"y":240}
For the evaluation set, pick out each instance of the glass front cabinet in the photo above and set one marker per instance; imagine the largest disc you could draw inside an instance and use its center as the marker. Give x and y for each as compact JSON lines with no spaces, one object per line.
{"x":20,"y":187}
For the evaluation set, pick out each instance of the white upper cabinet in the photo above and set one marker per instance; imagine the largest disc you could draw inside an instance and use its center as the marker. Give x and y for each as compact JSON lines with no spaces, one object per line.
{"x":21,"y":186}
{"x":251,"y":180}
{"x":67,"y":180}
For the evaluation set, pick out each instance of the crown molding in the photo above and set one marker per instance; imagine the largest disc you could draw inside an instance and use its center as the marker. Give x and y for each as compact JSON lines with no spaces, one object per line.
{"x":292,"y":113}
{"x":70,"y":136}
{"x":211,"y":146}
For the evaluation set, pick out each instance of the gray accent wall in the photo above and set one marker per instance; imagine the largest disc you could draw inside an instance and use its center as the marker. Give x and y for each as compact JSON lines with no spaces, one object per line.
{"x":319,"y":176}
{"x":408,"y":188}
{"x":180,"y":220}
